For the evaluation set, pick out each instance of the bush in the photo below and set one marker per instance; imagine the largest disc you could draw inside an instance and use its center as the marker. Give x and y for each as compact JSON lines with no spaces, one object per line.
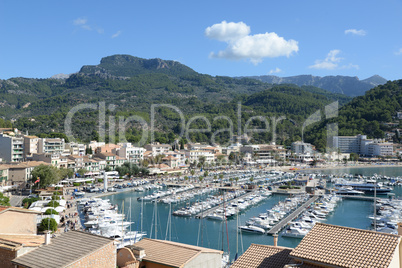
{"x":51,"y":211}
{"x":28,"y":201}
{"x":48,"y":224}
{"x":100,"y":180}
{"x":53,"y":204}
{"x":76,"y":184}
{"x":56,"y":193}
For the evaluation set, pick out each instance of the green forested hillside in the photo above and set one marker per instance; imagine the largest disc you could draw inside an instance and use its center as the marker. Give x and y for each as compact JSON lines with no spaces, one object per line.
{"x":365,"y":114}
{"x":128,"y":86}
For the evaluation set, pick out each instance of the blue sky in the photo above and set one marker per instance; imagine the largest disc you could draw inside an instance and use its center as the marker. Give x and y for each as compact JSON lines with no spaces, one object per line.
{"x":230,"y":38}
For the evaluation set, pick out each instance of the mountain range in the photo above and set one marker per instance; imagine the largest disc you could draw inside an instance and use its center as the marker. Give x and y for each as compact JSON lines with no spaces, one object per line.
{"x":133,"y":84}
{"x":348,"y":85}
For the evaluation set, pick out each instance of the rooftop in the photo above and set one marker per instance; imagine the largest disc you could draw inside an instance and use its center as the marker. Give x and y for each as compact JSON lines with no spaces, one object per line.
{"x":346,"y":247}
{"x":170,"y":253}
{"x":263,"y":256}
{"x":63,"y":250}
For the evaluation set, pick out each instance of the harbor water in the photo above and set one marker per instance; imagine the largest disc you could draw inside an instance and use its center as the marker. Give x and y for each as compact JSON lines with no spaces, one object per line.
{"x":222,"y":235}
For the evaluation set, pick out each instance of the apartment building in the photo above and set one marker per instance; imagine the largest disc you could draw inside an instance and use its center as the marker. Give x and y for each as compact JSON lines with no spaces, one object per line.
{"x":51,"y":145}
{"x":11,"y":147}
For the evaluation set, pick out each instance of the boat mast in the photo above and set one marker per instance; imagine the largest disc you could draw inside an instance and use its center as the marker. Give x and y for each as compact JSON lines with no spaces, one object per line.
{"x":142,"y":208}
{"x":375,"y":199}
{"x":156,"y":220}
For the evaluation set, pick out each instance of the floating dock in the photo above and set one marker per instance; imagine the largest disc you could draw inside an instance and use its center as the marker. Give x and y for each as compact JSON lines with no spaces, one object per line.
{"x":282,"y":223}
{"x":205,"y":213}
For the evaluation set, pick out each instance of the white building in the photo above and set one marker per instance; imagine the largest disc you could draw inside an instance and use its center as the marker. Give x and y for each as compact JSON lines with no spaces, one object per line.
{"x":12,"y":148}
{"x":301,"y":148}
{"x":51,"y":145}
{"x":361,"y":145}
{"x":157,"y":148}
{"x":31,"y":145}
{"x":132,"y":154}
{"x":194,"y":156}
{"x":74,"y":148}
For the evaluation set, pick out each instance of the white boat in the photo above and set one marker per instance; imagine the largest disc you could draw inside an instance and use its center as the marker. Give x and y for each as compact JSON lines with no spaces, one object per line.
{"x":295,"y":232}
{"x":252,"y":229}
{"x":216,"y":216}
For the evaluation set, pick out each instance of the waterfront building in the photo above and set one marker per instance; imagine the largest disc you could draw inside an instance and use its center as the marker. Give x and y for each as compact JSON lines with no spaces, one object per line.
{"x":265,"y":153}
{"x":128,"y":151}
{"x":194,"y":156}
{"x":361,"y":145}
{"x":301,"y":148}
{"x":157,"y":148}
{"x":12,"y":147}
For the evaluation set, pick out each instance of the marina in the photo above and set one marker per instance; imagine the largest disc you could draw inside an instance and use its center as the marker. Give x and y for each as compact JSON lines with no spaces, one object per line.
{"x":352,"y":211}
{"x":280,"y":225}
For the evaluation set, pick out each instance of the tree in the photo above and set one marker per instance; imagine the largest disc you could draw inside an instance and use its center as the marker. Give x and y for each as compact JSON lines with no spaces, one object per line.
{"x":202,"y":160}
{"x":47,"y":175}
{"x":221,"y":178}
{"x":82,"y":172}
{"x":186,"y":178}
{"x":51,"y":211}
{"x":65,"y":173}
{"x":236,"y":179}
{"x":4,"y":200}
{"x":200,"y":178}
{"x":48,"y":224}
{"x":206,"y":174}
{"x":354,"y":157}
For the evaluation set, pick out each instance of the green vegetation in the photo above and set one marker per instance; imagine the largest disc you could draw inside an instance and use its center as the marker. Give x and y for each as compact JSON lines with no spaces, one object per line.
{"x":133,"y":85}
{"x":53,"y":203}
{"x":48,"y":224}
{"x":51,"y":211}
{"x":4,"y":200}
{"x":28,"y":201}
{"x":363,"y":115}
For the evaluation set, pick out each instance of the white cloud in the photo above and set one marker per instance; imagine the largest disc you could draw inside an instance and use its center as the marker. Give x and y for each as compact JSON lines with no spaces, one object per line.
{"x":116,"y":34}
{"x":83,"y":24}
{"x":356,"y":32}
{"x":275,"y":71}
{"x":242,"y":45}
{"x":227,"y":31}
{"x":399,"y":52}
{"x":80,"y":21}
{"x":331,"y":62}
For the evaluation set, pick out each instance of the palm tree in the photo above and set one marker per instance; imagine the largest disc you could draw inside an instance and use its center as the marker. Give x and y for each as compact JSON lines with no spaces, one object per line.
{"x":200,"y":178}
{"x":231,"y":181}
{"x":236,"y":179}
{"x":221,"y":178}
{"x":186,"y":178}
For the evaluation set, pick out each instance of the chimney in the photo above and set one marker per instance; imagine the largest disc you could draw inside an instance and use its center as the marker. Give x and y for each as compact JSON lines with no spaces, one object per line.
{"x":275,"y":239}
{"x":138,"y":252}
{"x":399,"y":228}
{"x":47,"y":238}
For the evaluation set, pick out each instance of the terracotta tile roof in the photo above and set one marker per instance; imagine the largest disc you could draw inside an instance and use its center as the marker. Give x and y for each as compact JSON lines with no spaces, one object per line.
{"x":263,"y":256}
{"x":9,"y":245}
{"x":170,"y":253}
{"x":63,"y":250}
{"x":346,"y":247}
{"x":24,"y":210}
{"x":24,"y":239}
